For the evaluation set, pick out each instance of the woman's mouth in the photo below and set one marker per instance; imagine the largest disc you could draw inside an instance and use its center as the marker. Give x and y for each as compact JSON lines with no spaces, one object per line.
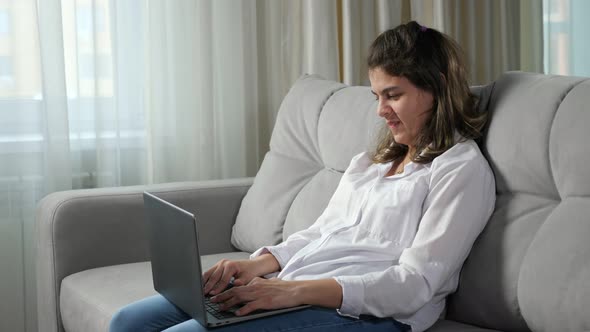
{"x":393,"y":123}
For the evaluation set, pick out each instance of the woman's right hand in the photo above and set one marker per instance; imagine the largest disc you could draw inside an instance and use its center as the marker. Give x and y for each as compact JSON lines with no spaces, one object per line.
{"x":217,"y":278}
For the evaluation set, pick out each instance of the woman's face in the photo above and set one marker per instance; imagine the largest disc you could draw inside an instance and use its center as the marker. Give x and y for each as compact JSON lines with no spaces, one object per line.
{"x":404,"y":107}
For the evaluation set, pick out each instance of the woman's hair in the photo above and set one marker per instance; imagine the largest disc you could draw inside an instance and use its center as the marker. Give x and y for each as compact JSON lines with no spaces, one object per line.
{"x":433,"y":62}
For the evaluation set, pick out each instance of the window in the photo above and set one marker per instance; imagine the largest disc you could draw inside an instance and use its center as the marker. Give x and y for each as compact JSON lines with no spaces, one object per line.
{"x":6,"y":71}
{"x":565,"y":34}
{"x":88,"y":59}
{"x":85,"y":19}
{"x":95,"y":67}
{"x":4,"y":22}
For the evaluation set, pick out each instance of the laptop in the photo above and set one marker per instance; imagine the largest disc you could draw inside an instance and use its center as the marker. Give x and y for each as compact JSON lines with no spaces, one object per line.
{"x":176,"y":264}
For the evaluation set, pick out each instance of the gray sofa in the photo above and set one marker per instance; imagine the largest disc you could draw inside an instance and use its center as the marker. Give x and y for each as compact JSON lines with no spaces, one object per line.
{"x":528,"y":270}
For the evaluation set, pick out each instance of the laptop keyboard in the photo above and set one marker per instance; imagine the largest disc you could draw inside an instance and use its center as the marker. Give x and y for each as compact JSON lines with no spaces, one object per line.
{"x":213,"y":309}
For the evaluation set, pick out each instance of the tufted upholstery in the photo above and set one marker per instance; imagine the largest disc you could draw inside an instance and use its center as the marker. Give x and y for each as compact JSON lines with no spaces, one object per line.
{"x":537,"y":145}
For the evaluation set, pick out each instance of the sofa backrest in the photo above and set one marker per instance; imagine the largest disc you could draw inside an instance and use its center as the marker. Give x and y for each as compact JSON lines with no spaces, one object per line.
{"x":527,"y":265}
{"x":530,"y":266}
{"x":320,"y":126}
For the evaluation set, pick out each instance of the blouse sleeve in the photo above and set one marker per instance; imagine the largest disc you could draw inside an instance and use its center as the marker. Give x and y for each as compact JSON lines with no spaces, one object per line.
{"x":458,"y":205}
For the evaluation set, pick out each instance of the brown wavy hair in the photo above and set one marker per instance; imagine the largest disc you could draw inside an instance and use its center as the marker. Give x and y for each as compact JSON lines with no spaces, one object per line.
{"x":433,"y":62}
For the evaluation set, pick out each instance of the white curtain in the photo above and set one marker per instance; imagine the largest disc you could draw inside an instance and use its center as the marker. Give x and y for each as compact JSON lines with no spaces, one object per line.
{"x":98,"y":93}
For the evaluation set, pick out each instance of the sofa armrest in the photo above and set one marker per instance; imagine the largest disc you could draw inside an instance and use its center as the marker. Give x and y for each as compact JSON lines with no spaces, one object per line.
{"x":78,"y":230}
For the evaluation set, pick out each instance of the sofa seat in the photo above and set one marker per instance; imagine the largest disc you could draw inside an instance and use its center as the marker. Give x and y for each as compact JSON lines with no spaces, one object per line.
{"x":90,"y":298}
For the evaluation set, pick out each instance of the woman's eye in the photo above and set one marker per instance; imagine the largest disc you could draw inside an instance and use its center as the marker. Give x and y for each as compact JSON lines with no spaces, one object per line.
{"x":389,"y":97}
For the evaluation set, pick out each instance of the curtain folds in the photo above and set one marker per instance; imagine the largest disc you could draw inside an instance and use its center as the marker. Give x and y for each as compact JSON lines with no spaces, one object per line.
{"x":496,"y":35}
{"x":118,"y":93}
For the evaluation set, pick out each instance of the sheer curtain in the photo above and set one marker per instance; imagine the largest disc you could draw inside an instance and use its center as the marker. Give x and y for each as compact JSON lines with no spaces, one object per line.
{"x":98,"y":93}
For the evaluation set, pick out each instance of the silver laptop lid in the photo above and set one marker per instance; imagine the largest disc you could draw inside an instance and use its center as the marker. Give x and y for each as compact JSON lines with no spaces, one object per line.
{"x":176,"y":263}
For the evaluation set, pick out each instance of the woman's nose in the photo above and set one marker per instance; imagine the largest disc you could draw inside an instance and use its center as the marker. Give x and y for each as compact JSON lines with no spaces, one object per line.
{"x":383,"y":110}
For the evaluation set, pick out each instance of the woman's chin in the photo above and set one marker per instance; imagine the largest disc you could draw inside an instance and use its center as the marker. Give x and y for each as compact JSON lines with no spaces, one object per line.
{"x":399,"y":139}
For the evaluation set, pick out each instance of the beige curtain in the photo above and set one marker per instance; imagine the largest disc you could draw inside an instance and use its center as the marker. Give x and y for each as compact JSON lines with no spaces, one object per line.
{"x":496,"y":35}
{"x":293,"y":38}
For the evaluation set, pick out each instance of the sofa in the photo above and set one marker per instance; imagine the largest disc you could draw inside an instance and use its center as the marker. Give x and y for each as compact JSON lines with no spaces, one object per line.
{"x":529,"y":270}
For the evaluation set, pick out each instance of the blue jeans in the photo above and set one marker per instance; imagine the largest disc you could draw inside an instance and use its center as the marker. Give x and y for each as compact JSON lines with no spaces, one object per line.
{"x":155,"y":313}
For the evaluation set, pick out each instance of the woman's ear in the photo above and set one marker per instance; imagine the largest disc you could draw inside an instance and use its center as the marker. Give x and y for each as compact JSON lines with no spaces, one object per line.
{"x":443,"y":78}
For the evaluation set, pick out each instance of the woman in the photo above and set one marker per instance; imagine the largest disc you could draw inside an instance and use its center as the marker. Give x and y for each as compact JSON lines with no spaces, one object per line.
{"x":389,"y":247}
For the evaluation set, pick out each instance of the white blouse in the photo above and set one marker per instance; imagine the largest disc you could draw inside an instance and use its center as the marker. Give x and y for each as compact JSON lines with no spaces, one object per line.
{"x":396,"y":244}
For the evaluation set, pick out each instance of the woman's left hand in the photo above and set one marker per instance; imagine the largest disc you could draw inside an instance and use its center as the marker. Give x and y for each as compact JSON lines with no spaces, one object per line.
{"x":261,"y":294}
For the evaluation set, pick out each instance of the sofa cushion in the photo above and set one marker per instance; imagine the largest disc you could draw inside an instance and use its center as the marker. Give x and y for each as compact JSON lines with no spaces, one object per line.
{"x":553,"y":285}
{"x":294,"y":158}
{"x":89,"y":299}
{"x":347,"y":126}
{"x":321,"y":125}
{"x":531,"y":254}
{"x":308,"y":204}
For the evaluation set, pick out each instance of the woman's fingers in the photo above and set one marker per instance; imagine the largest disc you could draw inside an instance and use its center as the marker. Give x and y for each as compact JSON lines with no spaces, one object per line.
{"x":217,"y":279}
{"x":234,"y":296}
{"x":230,"y":303}
{"x":239,"y":282}
{"x":243,"y":279}
{"x":207,"y":275}
{"x":264,"y":302}
{"x":212,"y":279}
{"x":219,"y":271}
{"x":223,"y":282}
{"x":258,"y":294}
{"x":249,"y":307}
